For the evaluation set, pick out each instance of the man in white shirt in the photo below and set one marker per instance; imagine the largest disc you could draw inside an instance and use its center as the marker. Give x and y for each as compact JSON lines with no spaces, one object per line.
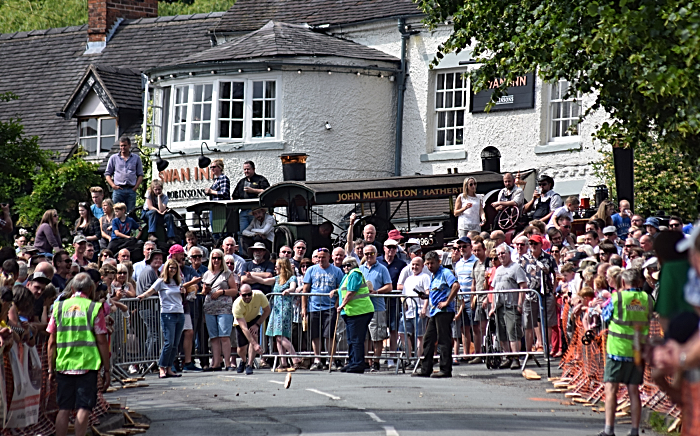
{"x":148,"y":246}
{"x":570,"y":206}
{"x":412,"y":323}
{"x":261,"y":229}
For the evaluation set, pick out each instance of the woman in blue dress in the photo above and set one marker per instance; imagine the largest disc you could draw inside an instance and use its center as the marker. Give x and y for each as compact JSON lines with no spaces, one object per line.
{"x":280,"y":324}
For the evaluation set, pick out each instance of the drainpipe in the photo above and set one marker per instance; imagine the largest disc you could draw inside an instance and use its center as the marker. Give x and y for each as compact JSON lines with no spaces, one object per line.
{"x":401,"y":90}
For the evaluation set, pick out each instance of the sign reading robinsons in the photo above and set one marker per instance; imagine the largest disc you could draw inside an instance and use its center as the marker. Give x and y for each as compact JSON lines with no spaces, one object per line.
{"x":519,"y":95}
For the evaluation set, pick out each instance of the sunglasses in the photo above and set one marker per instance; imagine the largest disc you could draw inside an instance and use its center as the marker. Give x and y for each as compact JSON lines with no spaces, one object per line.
{"x":630,"y":245}
{"x":306,"y":265}
{"x":392,"y":247}
{"x":196,"y":256}
{"x":674,"y":225}
{"x":555,"y":251}
{"x":493,"y":258}
{"x":565,"y":227}
{"x":122,"y":273}
{"x":216,"y":258}
{"x":287,"y":252}
{"x":323,"y":250}
{"x":371,"y":253}
{"x":247,"y":295}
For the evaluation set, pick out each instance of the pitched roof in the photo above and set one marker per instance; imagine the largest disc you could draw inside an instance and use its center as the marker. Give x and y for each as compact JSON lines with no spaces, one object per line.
{"x":44,"y":67}
{"x":118,"y":88}
{"x":247,"y":15}
{"x":276,"y":39}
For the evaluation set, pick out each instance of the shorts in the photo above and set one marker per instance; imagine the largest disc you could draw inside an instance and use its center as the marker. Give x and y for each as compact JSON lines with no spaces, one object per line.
{"x":76,"y":391}
{"x":623,"y":372}
{"x":219,"y":326}
{"x":241,"y":339}
{"x":188,"y":322}
{"x":463,"y":322}
{"x":514,"y":324}
{"x":531,"y":314}
{"x":501,"y":324}
{"x":377,"y":327}
{"x":414,"y":326}
{"x":322,"y":323}
{"x":480,"y":314}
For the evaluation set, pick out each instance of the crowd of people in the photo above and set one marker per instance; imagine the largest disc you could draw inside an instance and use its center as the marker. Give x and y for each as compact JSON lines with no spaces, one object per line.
{"x":513,"y":293}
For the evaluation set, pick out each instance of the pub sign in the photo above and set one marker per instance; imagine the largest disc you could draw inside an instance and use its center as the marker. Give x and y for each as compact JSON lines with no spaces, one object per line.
{"x":519,"y":95}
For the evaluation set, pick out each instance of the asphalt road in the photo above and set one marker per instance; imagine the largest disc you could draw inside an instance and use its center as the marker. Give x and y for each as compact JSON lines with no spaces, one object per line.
{"x":475,"y":401}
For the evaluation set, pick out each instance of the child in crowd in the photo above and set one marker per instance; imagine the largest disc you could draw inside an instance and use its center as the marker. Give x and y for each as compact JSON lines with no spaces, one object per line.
{"x":122,"y":226}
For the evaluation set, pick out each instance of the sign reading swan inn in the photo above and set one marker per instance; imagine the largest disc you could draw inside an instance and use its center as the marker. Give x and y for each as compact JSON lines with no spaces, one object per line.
{"x":520,"y":94}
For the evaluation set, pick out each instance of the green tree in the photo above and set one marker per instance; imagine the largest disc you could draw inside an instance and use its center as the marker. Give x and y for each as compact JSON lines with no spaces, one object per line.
{"x":640,"y":58}
{"x":20,"y":156}
{"x":61,"y":187}
{"x":26,"y":15}
{"x":665,"y":179}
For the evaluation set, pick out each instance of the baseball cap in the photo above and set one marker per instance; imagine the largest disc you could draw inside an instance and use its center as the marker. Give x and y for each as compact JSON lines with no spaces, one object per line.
{"x":686,"y":243}
{"x":176,"y":248}
{"x":412,"y":241}
{"x":651,"y":262}
{"x":609,"y":230}
{"x":395,"y":234}
{"x":39,"y":277}
{"x":391,"y":243}
{"x":77,"y":239}
{"x":415,"y":249}
{"x":536,"y":238}
{"x":465,"y":240}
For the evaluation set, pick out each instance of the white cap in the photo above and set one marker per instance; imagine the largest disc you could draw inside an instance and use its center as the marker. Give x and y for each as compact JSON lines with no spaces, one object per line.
{"x":609,"y":229}
{"x":413,"y":241}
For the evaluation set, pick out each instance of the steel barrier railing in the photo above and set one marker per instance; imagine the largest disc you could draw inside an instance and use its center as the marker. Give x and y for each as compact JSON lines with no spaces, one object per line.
{"x":137,"y":339}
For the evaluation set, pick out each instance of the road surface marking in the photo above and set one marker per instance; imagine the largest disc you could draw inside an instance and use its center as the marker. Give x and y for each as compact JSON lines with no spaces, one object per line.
{"x":550,"y":400}
{"x":331,"y":396}
{"x":275,"y":381}
{"x":390,"y":431}
{"x":375,"y":417}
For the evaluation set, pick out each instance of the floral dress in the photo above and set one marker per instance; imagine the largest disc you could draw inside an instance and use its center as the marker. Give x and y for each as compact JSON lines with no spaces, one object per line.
{"x":281,"y":316}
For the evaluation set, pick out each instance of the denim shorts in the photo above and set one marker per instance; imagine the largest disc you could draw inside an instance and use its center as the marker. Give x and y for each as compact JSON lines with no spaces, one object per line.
{"x":219,"y":326}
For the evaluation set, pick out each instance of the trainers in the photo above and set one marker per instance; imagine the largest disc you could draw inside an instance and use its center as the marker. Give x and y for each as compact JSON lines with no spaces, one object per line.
{"x":152,"y":237}
{"x":133,"y":369}
{"x":602,"y":433}
{"x":317,"y":366}
{"x":191,"y":367}
{"x":475,"y":361}
{"x":440,"y":374}
{"x":375,"y":367}
{"x":515,"y":364}
{"x":241,"y":367}
{"x":248,"y":370}
{"x":506,"y":364}
{"x":390,"y":363}
{"x":455,"y":362}
{"x":420,"y":374}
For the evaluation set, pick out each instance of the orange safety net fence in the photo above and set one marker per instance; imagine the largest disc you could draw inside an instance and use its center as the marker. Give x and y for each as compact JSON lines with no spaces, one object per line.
{"x":584,"y":366}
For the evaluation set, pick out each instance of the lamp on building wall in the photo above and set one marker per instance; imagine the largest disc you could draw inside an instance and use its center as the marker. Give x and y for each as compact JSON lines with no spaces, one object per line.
{"x":203,"y":160}
{"x":161,"y":163}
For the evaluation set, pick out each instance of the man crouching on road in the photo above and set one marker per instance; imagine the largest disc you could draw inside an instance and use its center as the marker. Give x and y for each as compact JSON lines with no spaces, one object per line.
{"x":248,"y":321}
{"x":78,"y":348}
{"x":443,"y":290}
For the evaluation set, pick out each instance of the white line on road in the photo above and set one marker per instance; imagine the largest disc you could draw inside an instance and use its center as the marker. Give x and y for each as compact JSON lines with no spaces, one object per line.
{"x":331,"y":396}
{"x":375,"y":417}
{"x":275,"y":381}
{"x":390,"y":431}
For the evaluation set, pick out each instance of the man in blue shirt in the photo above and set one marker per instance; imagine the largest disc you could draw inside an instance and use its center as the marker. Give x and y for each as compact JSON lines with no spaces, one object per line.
{"x":623,"y":219}
{"x":97,"y":195}
{"x":441,"y":301}
{"x":124,"y":174}
{"x":395,"y":265}
{"x":321,"y":279}
{"x":463,"y":270}
{"x":378,"y":275}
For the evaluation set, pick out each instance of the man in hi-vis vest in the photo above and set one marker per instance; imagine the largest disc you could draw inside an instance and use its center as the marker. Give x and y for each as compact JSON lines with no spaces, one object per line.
{"x":78,"y":348}
{"x":628,"y":313}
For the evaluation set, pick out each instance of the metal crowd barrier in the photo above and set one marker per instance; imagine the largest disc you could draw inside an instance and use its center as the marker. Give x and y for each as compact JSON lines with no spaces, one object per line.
{"x":137,"y":338}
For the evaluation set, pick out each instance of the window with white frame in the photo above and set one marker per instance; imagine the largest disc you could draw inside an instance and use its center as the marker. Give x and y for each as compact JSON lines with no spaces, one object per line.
{"x":225,"y":110}
{"x":180,"y":109}
{"x":263,"y":119}
{"x":201,"y":112}
{"x":564,"y":112}
{"x":450,"y":107}
{"x":97,"y":135}
{"x":231,"y":108}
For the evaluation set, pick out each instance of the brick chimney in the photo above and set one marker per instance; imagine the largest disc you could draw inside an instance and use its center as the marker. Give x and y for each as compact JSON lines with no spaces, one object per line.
{"x":104,"y":14}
